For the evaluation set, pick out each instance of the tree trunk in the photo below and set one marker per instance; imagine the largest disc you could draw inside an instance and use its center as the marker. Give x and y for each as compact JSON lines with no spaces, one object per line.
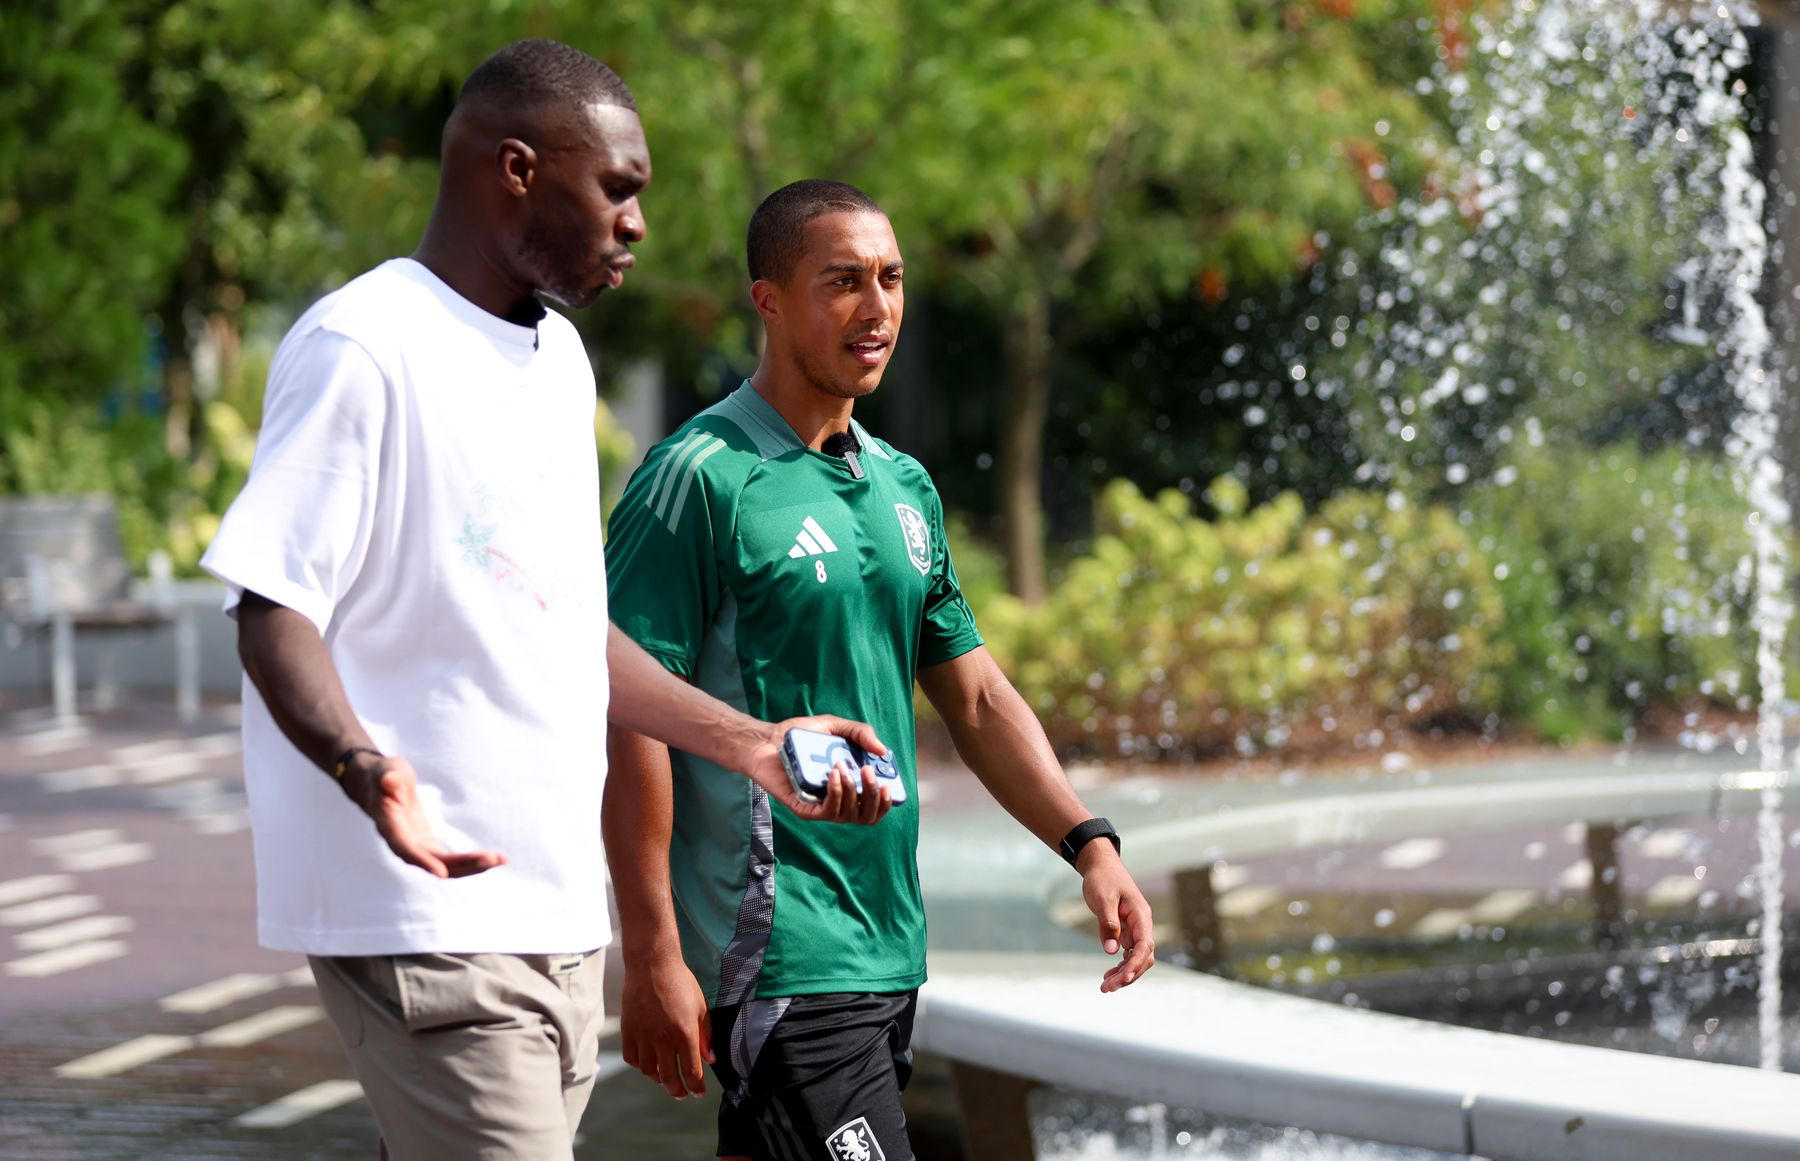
{"x":178,"y":383}
{"x":1021,"y":464}
{"x":178,"y":355}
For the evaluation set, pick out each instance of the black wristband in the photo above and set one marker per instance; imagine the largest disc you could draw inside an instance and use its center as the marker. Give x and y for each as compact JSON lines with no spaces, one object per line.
{"x":342,"y":766}
{"x":1085,"y":833}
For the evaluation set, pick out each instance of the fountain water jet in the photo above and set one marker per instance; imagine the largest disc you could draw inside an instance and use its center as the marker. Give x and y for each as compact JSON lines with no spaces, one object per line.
{"x":1586,"y":106}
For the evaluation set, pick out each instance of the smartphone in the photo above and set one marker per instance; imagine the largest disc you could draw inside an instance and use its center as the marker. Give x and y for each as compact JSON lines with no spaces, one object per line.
{"x":810,"y":755}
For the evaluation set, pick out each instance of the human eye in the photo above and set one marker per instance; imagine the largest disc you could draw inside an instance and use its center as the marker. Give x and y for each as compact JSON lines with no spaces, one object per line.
{"x":618,"y":187}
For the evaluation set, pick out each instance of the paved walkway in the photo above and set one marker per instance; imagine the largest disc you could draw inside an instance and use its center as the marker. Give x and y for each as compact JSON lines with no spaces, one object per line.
{"x":138,"y":1017}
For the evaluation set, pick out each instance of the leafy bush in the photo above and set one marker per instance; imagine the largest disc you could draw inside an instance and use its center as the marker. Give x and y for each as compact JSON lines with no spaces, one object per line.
{"x":1177,"y":635}
{"x":1620,"y":576}
{"x":1573,"y":591}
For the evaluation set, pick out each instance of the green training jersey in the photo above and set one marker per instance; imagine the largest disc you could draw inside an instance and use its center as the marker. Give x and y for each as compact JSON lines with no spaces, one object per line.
{"x":785,"y":581}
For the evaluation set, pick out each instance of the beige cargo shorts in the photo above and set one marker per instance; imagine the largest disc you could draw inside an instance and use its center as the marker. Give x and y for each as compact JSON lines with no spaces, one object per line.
{"x":469,"y":1056}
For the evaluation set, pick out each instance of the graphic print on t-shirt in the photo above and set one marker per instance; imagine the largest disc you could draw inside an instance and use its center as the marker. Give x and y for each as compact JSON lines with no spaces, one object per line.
{"x":496,"y":559}
{"x":918,"y":540}
{"x":812,"y":540}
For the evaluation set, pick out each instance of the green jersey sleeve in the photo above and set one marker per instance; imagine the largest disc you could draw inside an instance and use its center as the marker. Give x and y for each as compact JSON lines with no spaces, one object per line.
{"x":662,"y":565}
{"x":948,"y":627}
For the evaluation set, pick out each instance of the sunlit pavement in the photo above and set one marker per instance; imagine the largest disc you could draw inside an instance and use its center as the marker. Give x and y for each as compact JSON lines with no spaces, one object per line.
{"x":139,"y":1019}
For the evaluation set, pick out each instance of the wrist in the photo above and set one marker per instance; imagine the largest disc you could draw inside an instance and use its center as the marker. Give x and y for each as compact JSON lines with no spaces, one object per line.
{"x":751,"y":743}
{"x":354,"y":768}
{"x":1095,"y":856}
{"x":1083,"y":839}
{"x":650,"y":953}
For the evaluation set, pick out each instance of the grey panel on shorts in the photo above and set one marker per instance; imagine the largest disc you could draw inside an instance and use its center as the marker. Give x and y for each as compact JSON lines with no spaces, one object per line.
{"x":756,"y":1020}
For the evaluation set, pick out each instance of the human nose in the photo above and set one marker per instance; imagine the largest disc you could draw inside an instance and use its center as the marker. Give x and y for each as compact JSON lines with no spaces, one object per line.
{"x":629,"y":226}
{"x":878,"y":303}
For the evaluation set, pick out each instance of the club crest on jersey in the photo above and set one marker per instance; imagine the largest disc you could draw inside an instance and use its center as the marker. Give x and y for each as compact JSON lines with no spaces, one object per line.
{"x":918,"y":539}
{"x":856,"y":1141}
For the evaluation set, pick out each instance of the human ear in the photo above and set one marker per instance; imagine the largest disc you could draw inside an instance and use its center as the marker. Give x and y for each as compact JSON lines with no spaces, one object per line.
{"x":517,"y":163}
{"x":763,"y":295}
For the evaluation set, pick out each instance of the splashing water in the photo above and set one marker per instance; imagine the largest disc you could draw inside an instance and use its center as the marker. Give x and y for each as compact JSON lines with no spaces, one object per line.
{"x":1732,"y":255}
{"x":1738,"y":257}
{"x":1587,"y":103}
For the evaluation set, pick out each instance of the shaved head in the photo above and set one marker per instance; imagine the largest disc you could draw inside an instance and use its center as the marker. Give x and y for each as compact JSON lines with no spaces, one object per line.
{"x":777,"y":235}
{"x":542,"y":161}
{"x":535,"y":76}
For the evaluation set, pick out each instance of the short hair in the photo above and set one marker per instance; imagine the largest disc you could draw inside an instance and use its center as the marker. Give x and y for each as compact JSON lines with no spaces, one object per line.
{"x":538,"y":74}
{"x":777,"y":236}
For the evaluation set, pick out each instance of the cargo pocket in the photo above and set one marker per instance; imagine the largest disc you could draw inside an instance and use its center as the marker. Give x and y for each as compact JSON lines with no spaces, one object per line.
{"x":343,"y":997}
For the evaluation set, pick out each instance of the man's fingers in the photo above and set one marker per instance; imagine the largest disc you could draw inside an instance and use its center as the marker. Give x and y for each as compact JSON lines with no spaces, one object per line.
{"x":842,"y":801}
{"x":1130,"y":969}
{"x":458,"y":864}
{"x":706,"y":1048}
{"x":415,"y":854}
{"x":1109,"y":927}
{"x":868,"y":798}
{"x":1143,"y":938}
{"x":1140,"y":948}
{"x":849,"y":801}
{"x":430,"y":866}
{"x":874,"y":801}
{"x":411,"y":840}
{"x":668,"y":1071}
{"x":691,"y":1073}
{"x":832,"y":808}
{"x":861,"y":733}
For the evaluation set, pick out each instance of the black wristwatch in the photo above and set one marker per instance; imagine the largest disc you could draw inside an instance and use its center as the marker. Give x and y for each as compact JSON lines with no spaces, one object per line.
{"x":341,"y":767}
{"x":1085,"y":833}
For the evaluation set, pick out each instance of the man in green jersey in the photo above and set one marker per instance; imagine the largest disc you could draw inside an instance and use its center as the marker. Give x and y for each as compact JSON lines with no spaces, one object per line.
{"x":777,"y":555}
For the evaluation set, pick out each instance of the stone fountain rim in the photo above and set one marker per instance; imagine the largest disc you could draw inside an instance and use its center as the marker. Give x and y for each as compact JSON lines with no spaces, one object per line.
{"x":1241,"y":1051}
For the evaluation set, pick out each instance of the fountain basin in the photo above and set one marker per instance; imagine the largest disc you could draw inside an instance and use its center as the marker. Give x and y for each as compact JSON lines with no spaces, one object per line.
{"x":1033,"y":1009}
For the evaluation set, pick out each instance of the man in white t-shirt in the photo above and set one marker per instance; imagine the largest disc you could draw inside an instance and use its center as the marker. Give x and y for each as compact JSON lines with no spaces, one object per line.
{"x":416,"y":569}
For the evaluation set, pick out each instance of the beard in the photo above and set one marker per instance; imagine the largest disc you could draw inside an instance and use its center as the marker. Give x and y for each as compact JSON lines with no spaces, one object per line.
{"x":544,"y":252}
{"x":822,"y":380}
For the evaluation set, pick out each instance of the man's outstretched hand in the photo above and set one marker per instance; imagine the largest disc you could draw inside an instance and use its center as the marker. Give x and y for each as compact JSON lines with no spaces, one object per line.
{"x":387,"y":790}
{"x":842,"y":802}
{"x":1125,"y":922}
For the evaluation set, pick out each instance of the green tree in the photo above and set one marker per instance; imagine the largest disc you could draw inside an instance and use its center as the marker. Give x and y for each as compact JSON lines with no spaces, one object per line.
{"x":1065,"y":161}
{"x":283,"y":191}
{"x":167,"y":170}
{"x":1087,"y":159}
{"x":85,"y":236}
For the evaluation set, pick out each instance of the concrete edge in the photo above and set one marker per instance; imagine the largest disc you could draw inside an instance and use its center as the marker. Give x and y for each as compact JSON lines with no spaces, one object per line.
{"x":1239,"y":1051}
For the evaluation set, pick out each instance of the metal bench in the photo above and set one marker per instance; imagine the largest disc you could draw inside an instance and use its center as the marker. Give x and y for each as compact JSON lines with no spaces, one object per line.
{"x":63,"y":570}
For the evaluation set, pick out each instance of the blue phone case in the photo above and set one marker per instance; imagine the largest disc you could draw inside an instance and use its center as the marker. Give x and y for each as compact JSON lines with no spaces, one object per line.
{"x":809,"y":756}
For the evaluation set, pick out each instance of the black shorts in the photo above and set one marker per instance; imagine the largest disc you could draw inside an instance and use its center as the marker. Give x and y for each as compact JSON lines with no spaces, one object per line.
{"x":815,"y":1078}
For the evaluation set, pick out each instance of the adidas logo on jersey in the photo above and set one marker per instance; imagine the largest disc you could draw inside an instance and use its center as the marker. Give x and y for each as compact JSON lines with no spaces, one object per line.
{"x":812,"y":541}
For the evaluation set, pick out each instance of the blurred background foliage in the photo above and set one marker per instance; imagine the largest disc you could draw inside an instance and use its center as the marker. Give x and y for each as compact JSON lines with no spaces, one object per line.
{"x":1167,"y":312}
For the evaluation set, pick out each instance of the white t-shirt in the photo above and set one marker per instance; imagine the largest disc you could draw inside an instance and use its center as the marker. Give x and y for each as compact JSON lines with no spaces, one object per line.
{"x":426,"y":491}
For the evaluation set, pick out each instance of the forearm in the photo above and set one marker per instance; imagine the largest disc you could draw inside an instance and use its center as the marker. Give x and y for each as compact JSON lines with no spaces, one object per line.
{"x":1001,"y":740}
{"x":288,"y":663}
{"x":648,"y":699}
{"x":638,"y":820}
